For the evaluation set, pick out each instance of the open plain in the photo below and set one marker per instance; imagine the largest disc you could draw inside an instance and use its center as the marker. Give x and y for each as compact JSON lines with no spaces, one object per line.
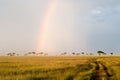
{"x":60,"y":68}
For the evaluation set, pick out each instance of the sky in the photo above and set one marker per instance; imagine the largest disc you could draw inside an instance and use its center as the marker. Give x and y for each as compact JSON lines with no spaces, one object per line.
{"x":56,"y":26}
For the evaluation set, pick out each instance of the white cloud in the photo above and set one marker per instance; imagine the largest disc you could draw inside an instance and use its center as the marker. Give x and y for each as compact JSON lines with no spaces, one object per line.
{"x":96,"y":11}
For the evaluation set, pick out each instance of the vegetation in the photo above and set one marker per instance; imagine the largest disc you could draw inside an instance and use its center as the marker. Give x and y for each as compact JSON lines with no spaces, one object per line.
{"x":32,"y":68}
{"x":62,"y":54}
{"x":12,"y":54}
{"x":59,"y":68}
{"x":111,"y":53}
{"x":101,"y":52}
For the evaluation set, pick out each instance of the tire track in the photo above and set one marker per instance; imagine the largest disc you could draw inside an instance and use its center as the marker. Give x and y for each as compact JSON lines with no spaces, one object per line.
{"x":109,"y":74}
{"x":101,"y":72}
{"x":96,"y":74}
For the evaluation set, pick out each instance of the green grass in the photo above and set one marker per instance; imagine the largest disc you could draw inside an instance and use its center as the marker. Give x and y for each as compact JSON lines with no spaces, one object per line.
{"x":53,"y":68}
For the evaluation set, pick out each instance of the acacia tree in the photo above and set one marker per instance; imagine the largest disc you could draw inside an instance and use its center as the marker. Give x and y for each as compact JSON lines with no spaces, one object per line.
{"x":34,"y":53}
{"x":100,"y":52}
{"x":11,"y":54}
{"x":64,"y":53}
{"x":82,"y":53}
{"x":111,"y":53}
{"x":73,"y":53}
{"x":29,"y":53}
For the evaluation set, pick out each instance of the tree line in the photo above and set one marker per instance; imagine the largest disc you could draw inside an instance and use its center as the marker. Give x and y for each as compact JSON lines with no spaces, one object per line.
{"x":62,"y":54}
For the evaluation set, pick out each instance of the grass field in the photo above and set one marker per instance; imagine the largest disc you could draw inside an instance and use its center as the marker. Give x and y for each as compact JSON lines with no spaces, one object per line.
{"x":60,"y":68}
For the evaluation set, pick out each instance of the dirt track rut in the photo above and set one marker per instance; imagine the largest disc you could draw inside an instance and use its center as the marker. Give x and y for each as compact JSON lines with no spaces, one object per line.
{"x":102,"y":72}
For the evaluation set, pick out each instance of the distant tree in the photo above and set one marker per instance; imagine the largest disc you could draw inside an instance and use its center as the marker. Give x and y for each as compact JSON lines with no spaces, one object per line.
{"x":33,"y":52}
{"x":77,"y":53}
{"x":41,"y":53}
{"x":104,"y":53}
{"x":29,"y":53}
{"x":111,"y":53}
{"x":82,"y":53}
{"x":100,"y":52}
{"x":91,"y":53}
{"x":14,"y":54}
{"x":64,"y":53}
{"x":73,"y":53}
{"x":11,"y":54}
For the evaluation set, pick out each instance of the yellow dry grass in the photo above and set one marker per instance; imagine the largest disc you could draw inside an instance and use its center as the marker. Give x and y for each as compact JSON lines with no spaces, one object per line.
{"x":53,"y":68}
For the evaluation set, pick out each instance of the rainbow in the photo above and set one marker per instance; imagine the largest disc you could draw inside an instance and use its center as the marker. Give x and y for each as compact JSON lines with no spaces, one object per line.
{"x":44,"y":28}
{"x":58,"y":30}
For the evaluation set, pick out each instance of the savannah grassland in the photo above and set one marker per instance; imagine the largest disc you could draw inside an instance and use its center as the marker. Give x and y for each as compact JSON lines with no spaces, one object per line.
{"x":60,"y":68}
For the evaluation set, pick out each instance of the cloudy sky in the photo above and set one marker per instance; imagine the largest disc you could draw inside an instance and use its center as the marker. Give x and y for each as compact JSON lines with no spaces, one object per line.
{"x":72,"y":25}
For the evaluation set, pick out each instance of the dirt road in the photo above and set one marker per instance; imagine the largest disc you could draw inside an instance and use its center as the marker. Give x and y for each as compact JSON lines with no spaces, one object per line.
{"x":101,"y":72}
